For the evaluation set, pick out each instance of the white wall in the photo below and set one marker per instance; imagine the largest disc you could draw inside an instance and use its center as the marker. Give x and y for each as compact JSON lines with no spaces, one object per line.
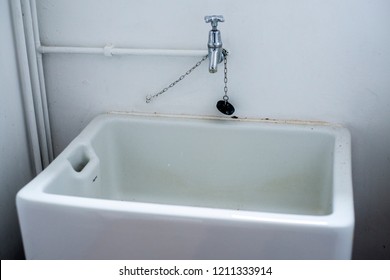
{"x":302,"y":59}
{"x":15,"y":166}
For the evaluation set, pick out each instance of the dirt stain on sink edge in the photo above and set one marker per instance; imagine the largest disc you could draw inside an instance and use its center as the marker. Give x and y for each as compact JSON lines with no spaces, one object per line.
{"x":234,"y":118}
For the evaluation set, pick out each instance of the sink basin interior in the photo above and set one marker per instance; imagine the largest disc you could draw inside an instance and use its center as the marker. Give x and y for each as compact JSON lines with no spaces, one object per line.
{"x":225,"y":164}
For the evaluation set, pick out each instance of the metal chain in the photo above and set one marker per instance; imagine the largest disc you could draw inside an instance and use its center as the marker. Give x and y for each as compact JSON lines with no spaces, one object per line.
{"x":150,"y":97}
{"x":225,"y":79}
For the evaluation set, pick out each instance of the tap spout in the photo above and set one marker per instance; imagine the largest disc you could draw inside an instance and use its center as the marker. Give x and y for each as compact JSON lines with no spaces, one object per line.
{"x":215,"y":50}
{"x":215,"y":43}
{"x":215,"y":57}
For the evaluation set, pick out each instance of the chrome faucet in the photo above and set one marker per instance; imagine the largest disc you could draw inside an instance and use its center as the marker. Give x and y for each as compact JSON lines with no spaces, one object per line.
{"x":215,"y":42}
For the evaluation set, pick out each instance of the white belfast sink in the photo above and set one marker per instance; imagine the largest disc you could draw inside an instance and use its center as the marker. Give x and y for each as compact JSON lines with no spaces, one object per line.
{"x":136,"y":186}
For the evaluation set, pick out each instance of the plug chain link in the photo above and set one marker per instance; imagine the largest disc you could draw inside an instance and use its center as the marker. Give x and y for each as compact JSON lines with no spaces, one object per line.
{"x":225,"y":97}
{"x":225,"y":79}
{"x":150,"y":97}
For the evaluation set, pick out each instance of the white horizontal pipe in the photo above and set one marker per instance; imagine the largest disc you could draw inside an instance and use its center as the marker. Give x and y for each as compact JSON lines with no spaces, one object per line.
{"x":70,"y":50}
{"x":109,"y":50}
{"x":119,"y":51}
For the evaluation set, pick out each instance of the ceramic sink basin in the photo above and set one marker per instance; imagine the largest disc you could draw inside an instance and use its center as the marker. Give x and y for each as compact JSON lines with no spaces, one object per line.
{"x":136,"y":186}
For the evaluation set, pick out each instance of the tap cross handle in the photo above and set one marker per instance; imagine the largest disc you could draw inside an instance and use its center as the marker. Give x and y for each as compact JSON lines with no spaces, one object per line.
{"x":214,"y":20}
